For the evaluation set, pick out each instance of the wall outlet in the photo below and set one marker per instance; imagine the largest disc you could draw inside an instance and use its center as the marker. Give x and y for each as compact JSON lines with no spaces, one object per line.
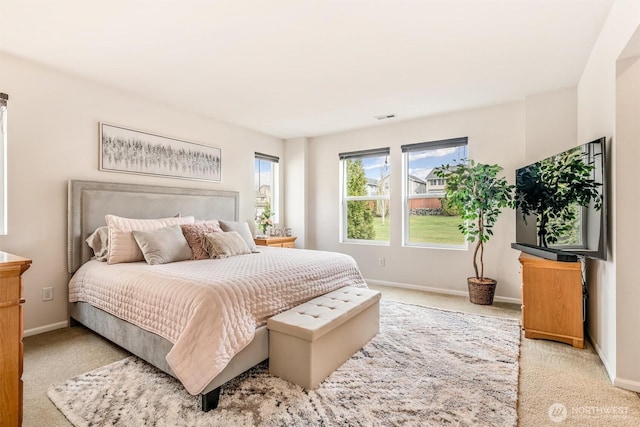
{"x":381,"y":262}
{"x":47,"y":294}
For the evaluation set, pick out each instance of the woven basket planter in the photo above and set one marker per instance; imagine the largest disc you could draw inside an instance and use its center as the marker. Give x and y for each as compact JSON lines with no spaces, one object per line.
{"x":481,"y":291}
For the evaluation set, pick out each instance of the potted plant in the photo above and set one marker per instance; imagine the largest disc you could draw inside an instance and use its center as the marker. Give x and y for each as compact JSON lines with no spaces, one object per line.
{"x":264,"y":220}
{"x":479,"y":195}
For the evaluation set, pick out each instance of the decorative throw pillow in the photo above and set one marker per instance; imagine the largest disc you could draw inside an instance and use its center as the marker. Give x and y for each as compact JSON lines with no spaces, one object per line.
{"x":122,"y":245}
{"x":98,"y":241}
{"x":163,"y":245}
{"x":193,"y":233}
{"x":243,"y":230}
{"x":225,"y":245}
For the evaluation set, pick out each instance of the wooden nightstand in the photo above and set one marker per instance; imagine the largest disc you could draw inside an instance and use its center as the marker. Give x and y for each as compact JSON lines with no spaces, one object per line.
{"x":277,"y":242}
{"x":11,"y":350}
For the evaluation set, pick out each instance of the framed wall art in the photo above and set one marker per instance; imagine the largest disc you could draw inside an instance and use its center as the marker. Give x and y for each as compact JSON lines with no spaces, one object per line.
{"x":133,"y":151}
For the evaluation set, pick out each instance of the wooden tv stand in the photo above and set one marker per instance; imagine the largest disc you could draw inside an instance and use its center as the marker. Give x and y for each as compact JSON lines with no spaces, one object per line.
{"x":552,"y":301}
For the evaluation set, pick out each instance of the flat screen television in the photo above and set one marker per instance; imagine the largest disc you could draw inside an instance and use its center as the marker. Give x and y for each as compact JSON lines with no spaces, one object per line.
{"x":561,"y":205}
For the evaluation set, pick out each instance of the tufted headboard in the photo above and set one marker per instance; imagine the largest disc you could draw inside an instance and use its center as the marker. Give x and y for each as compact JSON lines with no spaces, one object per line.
{"x":90,"y":201}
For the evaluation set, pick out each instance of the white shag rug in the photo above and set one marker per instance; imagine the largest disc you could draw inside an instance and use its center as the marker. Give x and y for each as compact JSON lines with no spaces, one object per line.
{"x":425,"y":367}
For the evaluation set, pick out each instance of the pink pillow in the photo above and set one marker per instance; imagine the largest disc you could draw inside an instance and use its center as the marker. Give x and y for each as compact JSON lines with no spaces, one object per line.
{"x":194,"y":232}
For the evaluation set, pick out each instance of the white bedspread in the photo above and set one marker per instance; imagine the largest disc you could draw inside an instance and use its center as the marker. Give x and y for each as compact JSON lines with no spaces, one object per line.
{"x":210,"y":309}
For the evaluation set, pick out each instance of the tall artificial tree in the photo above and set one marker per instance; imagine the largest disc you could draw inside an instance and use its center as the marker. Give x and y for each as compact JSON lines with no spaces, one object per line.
{"x":479,"y":195}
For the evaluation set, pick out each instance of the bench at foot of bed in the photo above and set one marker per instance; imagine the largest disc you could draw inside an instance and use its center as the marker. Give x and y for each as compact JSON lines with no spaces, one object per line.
{"x":310,"y":341}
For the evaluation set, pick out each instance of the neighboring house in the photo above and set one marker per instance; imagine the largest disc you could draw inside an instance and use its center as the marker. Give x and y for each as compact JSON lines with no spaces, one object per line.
{"x":372,"y":187}
{"x":416,"y":185}
{"x":375,"y":185}
{"x":419,"y":186}
{"x":435,"y":185}
{"x":263,"y":195}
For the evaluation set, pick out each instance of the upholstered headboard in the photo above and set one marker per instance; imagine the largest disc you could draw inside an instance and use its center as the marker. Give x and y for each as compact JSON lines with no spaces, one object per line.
{"x":90,"y":201}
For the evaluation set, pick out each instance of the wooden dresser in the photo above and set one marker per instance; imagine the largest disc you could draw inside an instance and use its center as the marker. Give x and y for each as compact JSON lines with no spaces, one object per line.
{"x":552,"y":302}
{"x":11,"y":330}
{"x":279,"y":242}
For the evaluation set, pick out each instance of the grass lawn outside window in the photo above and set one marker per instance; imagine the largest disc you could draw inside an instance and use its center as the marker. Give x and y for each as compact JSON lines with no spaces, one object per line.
{"x":436,"y":229}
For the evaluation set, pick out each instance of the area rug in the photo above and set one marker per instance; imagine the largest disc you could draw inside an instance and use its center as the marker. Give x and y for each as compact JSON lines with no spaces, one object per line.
{"x":425,"y":367}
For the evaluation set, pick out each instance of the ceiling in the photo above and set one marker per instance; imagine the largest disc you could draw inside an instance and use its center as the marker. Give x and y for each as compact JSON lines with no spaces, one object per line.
{"x":293,"y":68}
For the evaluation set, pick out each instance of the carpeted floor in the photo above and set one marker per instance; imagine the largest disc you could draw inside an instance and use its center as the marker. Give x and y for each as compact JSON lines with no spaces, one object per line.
{"x":425,"y":367}
{"x":550,"y":372}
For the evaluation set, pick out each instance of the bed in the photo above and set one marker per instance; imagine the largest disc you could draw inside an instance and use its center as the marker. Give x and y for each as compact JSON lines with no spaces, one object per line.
{"x":203,"y":321}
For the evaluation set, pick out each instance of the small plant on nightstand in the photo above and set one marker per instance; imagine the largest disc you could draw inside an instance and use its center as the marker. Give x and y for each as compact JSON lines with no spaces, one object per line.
{"x":264,"y":220}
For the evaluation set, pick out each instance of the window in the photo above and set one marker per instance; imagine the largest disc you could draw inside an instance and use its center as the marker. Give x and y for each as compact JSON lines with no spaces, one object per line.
{"x":4,"y":98}
{"x":365,"y":180}
{"x":266,"y":185}
{"x":428,"y":221}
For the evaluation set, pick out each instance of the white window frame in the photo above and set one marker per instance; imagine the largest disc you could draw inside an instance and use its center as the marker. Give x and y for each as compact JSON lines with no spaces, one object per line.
{"x":406,"y":211}
{"x":274,"y":184}
{"x":345,"y":199}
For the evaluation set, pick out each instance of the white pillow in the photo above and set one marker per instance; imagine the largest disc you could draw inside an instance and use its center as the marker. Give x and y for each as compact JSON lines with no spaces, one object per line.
{"x":122,"y":245}
{"x":243,"y":230}
{"x":163,"y":245}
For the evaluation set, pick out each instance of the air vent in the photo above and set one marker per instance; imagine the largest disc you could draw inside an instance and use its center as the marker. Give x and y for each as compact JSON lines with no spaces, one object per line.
{"x":384,"y":117}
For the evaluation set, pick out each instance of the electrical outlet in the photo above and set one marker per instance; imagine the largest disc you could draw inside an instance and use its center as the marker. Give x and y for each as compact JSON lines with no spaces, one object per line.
{"x":47,"y":294}
{"x":381,"y":262}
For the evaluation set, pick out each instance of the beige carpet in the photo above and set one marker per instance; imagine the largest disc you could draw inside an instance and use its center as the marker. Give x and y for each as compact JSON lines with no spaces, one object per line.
{"x":56,"y":356}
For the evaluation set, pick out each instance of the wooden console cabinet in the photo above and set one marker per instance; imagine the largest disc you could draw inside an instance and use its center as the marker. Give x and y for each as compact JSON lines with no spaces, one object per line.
{"x":279,"y":242}
{"x":11,"y":330}
{"x":552,"y":301}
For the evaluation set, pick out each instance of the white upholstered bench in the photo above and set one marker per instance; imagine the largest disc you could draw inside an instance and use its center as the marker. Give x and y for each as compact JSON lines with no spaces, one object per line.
{"x":310,"y":341}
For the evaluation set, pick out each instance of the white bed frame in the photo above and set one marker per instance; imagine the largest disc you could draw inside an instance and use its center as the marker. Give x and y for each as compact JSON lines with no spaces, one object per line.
{"x":89,"y":202}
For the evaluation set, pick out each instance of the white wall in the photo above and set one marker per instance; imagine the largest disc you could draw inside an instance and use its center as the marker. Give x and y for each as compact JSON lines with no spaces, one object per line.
{"x":295,"y":188}
{"x":551,"y":123}
{"x":627,"y":161}
{"x":53,"y":137}
{"x":612,"y":328}
{"x":496,"y":135}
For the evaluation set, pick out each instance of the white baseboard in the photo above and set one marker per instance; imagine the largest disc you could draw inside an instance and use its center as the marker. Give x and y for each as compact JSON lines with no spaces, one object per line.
{"x":603,"y":359}
{"x":627,"y":384}
{"x":438,"y":290}
{"x":45,"y":328}
{"x":616,"y":381}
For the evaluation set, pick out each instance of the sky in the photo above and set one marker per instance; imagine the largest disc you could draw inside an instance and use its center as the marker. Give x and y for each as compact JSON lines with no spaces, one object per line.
{"x":263,"y":174}
{"x":420,"y":163}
